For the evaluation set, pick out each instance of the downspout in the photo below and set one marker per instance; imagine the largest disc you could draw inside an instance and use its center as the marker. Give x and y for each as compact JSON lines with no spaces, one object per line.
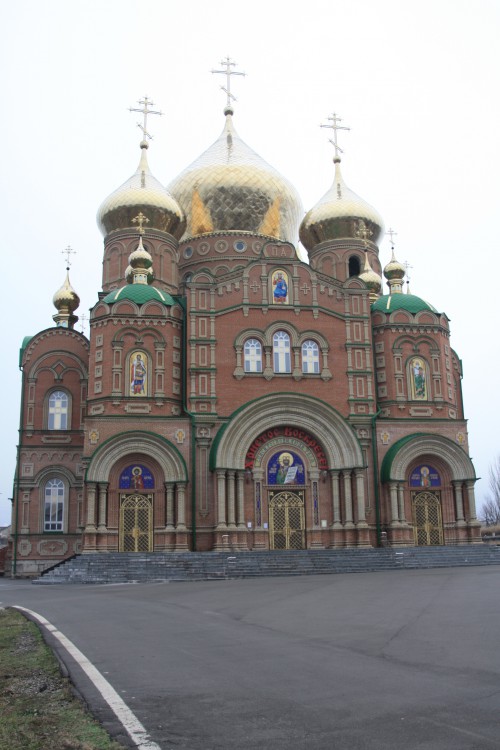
{"x":183,"y":304}
{"x":376,"y":478}
{"x":15,"y":493}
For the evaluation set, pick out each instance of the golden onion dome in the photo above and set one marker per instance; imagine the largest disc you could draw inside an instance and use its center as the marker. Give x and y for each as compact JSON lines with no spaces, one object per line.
{"x":394,"y":269}
{"x":66,"y":299}
{"x":141,"y":193}
{"x":338,"y":215}
{"x":230,"y":188}
{"x":140,"y":258}
{"x":371,"y":278}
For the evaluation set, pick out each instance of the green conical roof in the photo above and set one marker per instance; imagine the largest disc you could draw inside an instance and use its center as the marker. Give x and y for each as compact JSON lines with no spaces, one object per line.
{"x":409,"y":302}
{"x":139,"y":293}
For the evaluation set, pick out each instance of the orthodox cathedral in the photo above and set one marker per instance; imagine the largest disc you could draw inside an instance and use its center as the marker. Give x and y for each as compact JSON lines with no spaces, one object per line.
{"x":231,"y":396}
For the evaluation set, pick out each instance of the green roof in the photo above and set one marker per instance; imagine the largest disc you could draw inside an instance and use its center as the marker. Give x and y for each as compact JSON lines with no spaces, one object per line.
{"x":139,"y":293}
{"x":25,"y":343}
{"x":385,"y":469}
{"x":409,"y":302}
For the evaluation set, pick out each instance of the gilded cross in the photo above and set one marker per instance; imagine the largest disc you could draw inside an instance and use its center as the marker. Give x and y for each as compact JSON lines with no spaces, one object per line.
{"x":391,"y":234}
{"x":140,"y":219}
{"x":67,"y":253}
{"x":335,"y":121}
{"x":407,"y":266}
{"x":228,"y":64}
{"x":363,"y":232}
{"x":83,"y":322}
{"x":145,"y":111}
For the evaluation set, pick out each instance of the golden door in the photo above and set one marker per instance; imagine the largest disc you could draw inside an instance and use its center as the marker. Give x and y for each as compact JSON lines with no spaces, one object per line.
{"x":427,"y":522}
{"x":136,"y":523}
{"x":286,"y":520}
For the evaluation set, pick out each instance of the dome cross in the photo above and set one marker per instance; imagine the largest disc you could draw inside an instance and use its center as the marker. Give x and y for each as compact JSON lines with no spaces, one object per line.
{"x":228,"y":64}
{"x":68,"y":252}
{"x":140,"y":219}
{"x":391,"y":234}
{"x":146,"y":103}
{"x":363,"y":232}
{"x":335,"y":121}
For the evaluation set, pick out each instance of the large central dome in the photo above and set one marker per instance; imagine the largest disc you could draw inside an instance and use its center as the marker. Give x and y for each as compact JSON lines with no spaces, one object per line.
{"x":230,"y":188}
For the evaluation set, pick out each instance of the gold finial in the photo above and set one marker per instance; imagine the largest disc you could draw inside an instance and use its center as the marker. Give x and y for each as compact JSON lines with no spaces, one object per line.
{"x":363,"y":232}
{"x":146,"y":102}
{"x":67,"y":253}
{"x":228,"y":64}
{"x":140,"y":219}
{"x":335,"y":120}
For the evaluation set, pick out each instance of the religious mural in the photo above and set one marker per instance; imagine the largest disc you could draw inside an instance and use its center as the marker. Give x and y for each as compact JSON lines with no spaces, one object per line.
{"x":280,"y":287}
{"x":425,"y":476}
{"x":138,"y":375}
{"x":136,"y":477}
{"x":285,"y":467}
{"x":418,"y":379}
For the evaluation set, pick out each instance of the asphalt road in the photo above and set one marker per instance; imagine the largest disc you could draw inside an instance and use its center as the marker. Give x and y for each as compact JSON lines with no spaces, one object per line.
{"x":385,"y":661}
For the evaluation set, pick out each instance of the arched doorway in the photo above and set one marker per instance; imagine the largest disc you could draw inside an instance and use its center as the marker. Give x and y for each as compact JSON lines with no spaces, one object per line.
{"x":427,"y":518}
{"x":136,"y":523}
{"x":287,"y":520}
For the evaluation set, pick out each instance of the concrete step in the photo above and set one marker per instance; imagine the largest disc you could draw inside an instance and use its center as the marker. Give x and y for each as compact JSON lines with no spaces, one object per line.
{"x":159,"y":566}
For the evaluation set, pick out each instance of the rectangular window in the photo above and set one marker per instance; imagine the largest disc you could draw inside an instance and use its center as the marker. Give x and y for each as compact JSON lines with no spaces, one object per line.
{"x":54,"y":505}
{"x":58,"y":411}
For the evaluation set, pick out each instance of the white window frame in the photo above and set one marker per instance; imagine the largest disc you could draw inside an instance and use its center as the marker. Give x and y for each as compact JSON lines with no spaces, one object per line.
{"x":54,"y":501}
{"x":282,"y":359}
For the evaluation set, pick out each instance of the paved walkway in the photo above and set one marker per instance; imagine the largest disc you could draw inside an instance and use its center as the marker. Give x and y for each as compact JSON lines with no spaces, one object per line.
{"x":406,"y":659}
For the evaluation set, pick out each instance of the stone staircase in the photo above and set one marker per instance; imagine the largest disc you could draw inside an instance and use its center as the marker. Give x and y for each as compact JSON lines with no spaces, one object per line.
{"x":200,"y":566}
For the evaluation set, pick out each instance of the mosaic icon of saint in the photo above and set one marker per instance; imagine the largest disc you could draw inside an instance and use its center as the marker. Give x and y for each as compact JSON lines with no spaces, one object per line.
{"x":137,"y":480}
{"x":285,"y":462}
{"x":138,"y":375}
{"x":280,"y":290}
{"x":419,"y":385}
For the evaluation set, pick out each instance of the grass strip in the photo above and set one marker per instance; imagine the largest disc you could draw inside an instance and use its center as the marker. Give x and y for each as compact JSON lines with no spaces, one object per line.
{"x":38,"y":709}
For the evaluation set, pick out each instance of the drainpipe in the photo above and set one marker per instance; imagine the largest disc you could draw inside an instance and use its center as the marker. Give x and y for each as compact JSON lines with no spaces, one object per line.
{"x":15,"y":493}
{"x":183,"y":304}
{"x":376,"y":478}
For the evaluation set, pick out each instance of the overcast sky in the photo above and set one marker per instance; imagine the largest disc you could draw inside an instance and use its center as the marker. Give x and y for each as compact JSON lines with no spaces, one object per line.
{"x":417,"y":83}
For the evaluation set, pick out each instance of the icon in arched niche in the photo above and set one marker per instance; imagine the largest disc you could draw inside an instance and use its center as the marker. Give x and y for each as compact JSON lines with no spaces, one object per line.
{"x":425,"y":476}
{"x":136,"y":477}
{"x":138,"y":375}
{"x":418,"y":378}
{"x":280,"y":287}
{"x":285,"y":467}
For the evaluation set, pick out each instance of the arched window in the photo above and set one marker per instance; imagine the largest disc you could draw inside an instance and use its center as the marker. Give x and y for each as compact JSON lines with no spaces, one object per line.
{"x":310,"y":357}
{"x":354,"y":266}
{"x":58,"y":411}
{"x":281,"y":352}
{"x":53,"y":515}
{"x":253,"y":355}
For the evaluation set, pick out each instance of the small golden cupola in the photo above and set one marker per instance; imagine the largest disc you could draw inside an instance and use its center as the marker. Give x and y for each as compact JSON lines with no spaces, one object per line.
{"x":372,"y":280}
{"x":339,"y":214}
{"x":139,"y":277}
{"x":141,"y":193}
{"x":394,"y":271}
{"x":230,"y":188}
{"x":66,"y":300}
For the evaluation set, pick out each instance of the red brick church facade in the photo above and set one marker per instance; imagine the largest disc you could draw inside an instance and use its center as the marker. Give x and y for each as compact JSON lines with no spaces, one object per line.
{"x":230,"y":395}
